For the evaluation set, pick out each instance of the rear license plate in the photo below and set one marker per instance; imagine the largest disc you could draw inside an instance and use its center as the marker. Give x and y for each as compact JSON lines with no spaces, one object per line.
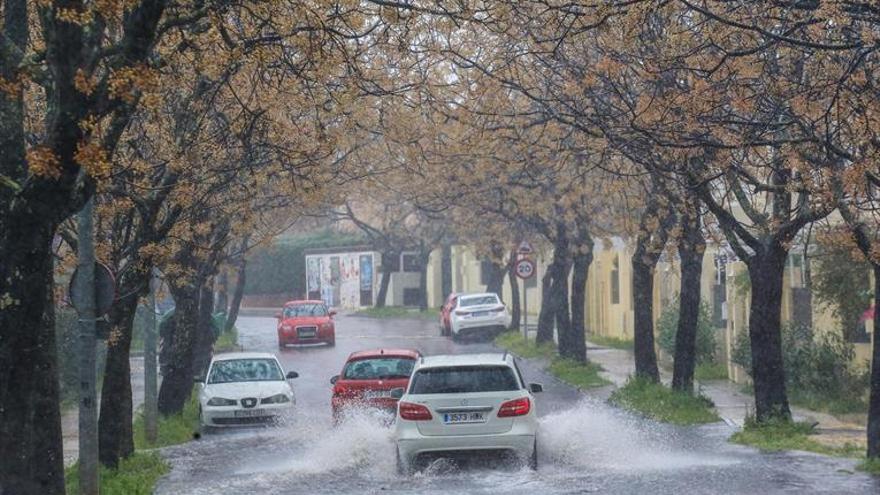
{"x":249,"y":413}
{"x":376,"y":394}
{"x":480,"y":313}
{"x":463,"y":417}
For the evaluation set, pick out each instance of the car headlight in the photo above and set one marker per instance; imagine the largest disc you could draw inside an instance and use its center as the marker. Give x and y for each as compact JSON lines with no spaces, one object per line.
{"x":276,"y":399}
{"x":286,"y":328}
{"x":220,"y":401}
{"x":326,"y":326}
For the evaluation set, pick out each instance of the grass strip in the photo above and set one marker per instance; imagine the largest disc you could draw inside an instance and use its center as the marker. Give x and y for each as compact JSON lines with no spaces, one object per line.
{"x":135,"y":475}
{"x":710,"y":371}
{"x":172,"y":430}
{"x":777,"y":435}
{"x":583,"y":375}
{"x":227,"y":341}
{"x":659,"y":402}
{"x":612,"y":342}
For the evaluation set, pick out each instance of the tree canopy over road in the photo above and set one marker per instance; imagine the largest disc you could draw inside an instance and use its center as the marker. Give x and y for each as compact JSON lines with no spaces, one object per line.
{"x":203,"y":128}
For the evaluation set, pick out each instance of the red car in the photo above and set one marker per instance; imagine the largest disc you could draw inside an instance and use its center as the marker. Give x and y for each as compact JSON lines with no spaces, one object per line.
{"x":306,"y":322}
{"x":445,"y":311}
{"x":368,"y":377}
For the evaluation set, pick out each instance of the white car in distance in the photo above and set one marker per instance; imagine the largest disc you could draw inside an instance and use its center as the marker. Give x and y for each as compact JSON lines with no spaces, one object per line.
{"x":243,"y":388}
{"x":466,"y":403}
{"x":478,"y":313}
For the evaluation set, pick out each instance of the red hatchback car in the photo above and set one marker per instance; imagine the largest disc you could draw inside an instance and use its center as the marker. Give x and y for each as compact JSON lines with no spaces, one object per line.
{"x":368,"y":377}
{"x":306,"y":322}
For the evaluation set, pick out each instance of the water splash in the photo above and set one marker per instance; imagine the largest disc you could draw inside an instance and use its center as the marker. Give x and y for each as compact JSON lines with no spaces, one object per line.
{"x":596,"y":436}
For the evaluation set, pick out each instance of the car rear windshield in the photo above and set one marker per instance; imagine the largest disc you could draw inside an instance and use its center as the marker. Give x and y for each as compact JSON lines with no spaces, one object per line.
{"x":245,"y":370}
{"x":378,"y":368}
{"x":305,"y":310}
{"x":463,"y":379}
{"x":479,"y":300}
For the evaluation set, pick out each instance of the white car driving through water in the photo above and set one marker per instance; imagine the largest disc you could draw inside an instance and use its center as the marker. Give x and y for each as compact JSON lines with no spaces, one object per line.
{"x":469,"y":403}
{"x":478,"y":313}
{"x":243,"y":388}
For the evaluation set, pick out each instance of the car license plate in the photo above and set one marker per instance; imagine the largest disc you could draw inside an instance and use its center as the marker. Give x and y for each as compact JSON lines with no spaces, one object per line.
{"x":249,"y":413}
{"x":480,"y":313}
{"x":376,"y":394}
{"x":463,"y":417}
{"x":306,"y":334}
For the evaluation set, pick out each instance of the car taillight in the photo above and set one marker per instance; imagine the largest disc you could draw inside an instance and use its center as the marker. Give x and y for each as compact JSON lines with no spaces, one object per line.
{"x":414,"y":412}
{"x":516,"y":407}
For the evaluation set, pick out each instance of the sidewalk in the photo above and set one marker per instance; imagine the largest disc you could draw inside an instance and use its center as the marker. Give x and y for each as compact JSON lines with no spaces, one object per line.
{"x":730,"y":402}
{"x":70,"y":417}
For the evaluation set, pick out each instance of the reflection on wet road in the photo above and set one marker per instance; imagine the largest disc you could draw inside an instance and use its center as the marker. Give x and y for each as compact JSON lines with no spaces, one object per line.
{"x":585,"y":445}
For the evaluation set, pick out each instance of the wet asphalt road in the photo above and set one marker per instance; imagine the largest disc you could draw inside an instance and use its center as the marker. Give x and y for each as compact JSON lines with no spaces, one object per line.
{"x":585,"y":445}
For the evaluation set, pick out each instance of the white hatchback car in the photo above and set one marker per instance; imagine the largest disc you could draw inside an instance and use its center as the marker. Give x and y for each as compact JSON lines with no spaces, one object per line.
{"x":466,"y":403}
{"x":244,"y":388}
{"x":478,"y":312}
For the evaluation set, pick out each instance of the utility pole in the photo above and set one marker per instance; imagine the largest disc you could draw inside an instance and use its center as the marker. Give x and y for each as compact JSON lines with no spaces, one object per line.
{"x":150,"y":378}
{"x":88,"y":406}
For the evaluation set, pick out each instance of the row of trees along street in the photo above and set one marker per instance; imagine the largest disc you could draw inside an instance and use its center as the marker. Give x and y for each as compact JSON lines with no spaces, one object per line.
{"x":204,"y":128}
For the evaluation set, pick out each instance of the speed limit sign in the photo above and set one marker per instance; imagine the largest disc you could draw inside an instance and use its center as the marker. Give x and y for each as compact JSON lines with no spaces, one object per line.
{"x":525,"y":268}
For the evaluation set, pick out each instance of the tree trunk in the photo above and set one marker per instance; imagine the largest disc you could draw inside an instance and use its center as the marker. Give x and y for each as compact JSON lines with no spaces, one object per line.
{"x":563,"y":312}
{"x":237,"y":294}
{"x":30,"y":420}
{"x":581,"y":269}
{"x":690,"y":249}
{"x":115,"y":436}
{"x":515,"y":309}
{"x":495,"y":282}
{"x":446,"y":270}
{"x":766,"y":270}
{"x":221,"y":301}
{"x":874,"y":401}
{"x":424,"y":259}
{"x":177,"y":382}
{"x":546,"y":314}
{"x":385,"y":281}
{"x":206,"y":336}
{"x":643,"y":319}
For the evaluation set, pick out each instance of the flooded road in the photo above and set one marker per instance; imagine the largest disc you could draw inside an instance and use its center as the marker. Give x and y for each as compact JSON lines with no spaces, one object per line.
{"x":585,"y":445}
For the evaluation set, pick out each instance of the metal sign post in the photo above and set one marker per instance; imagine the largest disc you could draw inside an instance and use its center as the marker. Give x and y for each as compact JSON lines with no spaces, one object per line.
{"x":150,"y":378}
{"x":86,"y":307}
{"x":525,"y":269}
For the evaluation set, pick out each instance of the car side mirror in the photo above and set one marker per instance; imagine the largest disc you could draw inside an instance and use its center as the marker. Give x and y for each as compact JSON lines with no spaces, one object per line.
{"x":277,"y":316}
{"x":397,"y":393}
{"x":334,"y":380}
{"x":536,"y":388}
{"x":332,"y":312}
{"x":292,"y":374}
{"x":199,"y":379}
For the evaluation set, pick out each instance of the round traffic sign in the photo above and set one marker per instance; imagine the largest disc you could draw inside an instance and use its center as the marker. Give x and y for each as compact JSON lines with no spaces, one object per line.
{"x":524,"y":268}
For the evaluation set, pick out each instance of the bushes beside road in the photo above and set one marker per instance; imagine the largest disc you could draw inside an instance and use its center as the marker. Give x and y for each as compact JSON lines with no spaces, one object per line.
{"x":659,"y":402}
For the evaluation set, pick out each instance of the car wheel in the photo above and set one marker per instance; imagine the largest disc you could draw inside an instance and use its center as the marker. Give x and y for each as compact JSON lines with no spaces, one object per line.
{"x":533,"y":461}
